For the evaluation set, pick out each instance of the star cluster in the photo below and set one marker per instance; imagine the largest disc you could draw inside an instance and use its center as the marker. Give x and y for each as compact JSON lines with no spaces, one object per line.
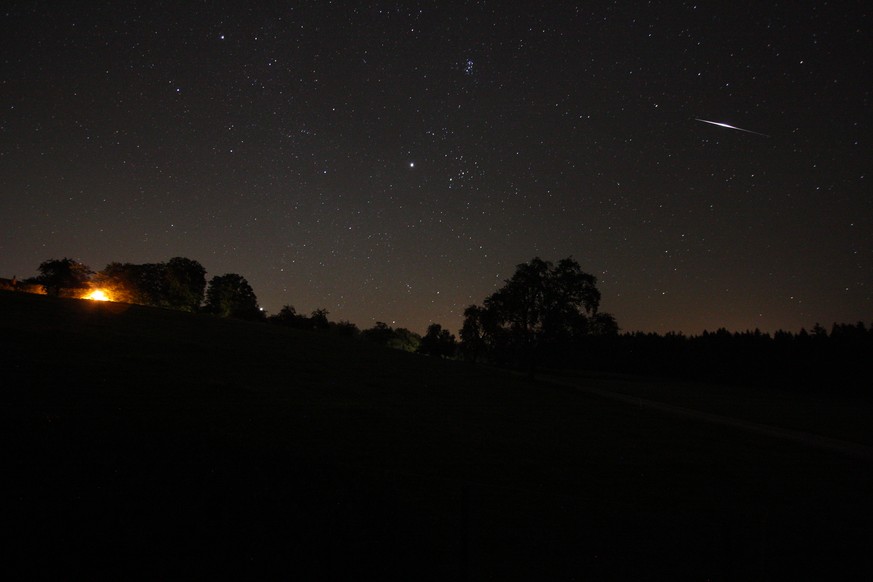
{"x":395,"y":161}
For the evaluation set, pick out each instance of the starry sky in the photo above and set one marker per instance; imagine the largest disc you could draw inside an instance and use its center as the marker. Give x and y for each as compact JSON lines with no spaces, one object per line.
{"x":394,"y":161}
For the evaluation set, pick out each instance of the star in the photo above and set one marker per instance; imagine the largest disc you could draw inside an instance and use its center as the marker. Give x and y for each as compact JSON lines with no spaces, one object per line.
{"x":537,"y":141}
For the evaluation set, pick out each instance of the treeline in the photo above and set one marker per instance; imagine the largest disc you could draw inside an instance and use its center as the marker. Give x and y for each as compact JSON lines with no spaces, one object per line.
{"x":545,"y":316}
{"x":177,"y":284}
{"x":180,"y":283}
{"x":542,"y":311}
{"x":835,"y":361}
{"x":543,"y":307}
{"x":436,"y":341}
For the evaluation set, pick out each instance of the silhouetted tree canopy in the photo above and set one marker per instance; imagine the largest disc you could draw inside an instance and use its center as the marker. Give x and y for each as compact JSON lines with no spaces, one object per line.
{"x":601,"y":324}
{"x":230,"y":295}
{"x":437,"y":342}
{"x":131,"y":283}
{"x":405,"y":339}
{"x":381,"y":333}
{"x":63,"y":276}
{"x":344,"y":328}
{"x":289,"y":317}
{"x":176,"y":284}
{"x":835,"y":362}
{"x":184,"y":284}
{"x":318,"y":319}
{"x":541,"y":305}
{"x":400,"y":338}
{"x":479,"y":332}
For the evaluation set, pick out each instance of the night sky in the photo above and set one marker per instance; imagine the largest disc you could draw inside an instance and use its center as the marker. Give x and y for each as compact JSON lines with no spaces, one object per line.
{"x":394,"y":161}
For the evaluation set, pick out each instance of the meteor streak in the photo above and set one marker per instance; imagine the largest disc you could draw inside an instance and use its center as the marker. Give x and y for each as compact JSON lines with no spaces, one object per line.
{"x":731,"y":127}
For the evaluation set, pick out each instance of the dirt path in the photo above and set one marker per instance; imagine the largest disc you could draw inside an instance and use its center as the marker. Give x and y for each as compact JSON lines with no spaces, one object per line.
{"x":805,"y":438}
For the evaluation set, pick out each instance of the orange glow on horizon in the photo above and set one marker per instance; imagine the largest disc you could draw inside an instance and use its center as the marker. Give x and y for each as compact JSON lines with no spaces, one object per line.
{"x":97,"y":295}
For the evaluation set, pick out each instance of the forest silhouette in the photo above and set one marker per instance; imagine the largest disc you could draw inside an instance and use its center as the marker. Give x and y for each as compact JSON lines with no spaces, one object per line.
{"x":545,"y":317}
{"x":153,"y":442}
{"x":180,"y":440}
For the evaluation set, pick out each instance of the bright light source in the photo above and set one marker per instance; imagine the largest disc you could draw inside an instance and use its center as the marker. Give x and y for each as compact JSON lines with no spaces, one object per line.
{"x":97,"y":295}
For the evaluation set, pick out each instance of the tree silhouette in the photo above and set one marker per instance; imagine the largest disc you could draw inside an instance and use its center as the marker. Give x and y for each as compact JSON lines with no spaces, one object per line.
{"x":399,"y":339}
{"x":124,"y":282}
{"x":288,"y":317}
{"x":184,"y":284}
{"x":318,"y":319}
{"x":480,"y":333}
{"x":230,"y":295}
{"x":542,"y":304}
{"x":437,"y":342}
{"x":405,"y":339}
{"x":344,"y":328}
{"x":63,"y":276}
{"x":177,"y":284}
{"x":602,"y":324}
{"x":381,"y":333}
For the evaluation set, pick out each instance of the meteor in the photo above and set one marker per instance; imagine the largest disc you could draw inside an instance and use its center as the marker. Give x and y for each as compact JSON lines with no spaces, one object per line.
{"x":731,"y":127}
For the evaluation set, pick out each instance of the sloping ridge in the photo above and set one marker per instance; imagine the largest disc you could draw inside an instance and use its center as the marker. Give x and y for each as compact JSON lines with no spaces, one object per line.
{"x":806,"y":438}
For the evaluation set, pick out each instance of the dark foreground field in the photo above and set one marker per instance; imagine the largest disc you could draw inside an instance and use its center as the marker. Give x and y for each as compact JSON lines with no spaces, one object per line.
{"x":141,"y":443}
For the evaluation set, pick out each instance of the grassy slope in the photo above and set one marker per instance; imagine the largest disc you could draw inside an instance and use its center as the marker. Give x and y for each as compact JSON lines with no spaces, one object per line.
{"x":834,"y":415}
{"x":149,"y":442}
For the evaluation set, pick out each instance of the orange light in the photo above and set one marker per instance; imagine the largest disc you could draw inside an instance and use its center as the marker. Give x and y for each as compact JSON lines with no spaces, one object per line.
{"x":97,"y":295}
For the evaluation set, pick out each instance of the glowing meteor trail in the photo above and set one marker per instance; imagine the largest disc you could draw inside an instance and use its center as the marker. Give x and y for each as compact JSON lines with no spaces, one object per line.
{"x":731,"y":127}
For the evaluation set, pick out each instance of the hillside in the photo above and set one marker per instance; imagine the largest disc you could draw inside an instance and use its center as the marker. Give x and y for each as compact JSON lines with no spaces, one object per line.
{"x":148,"y":443}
